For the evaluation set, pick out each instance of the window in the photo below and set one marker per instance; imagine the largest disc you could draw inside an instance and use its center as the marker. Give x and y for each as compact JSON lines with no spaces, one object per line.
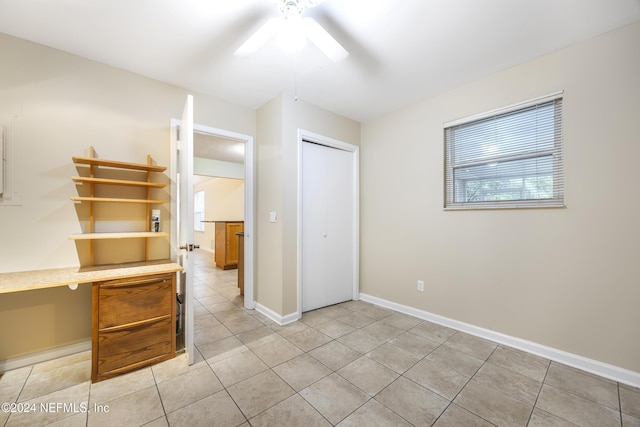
{"x":3,"y":159}
{"x":509,"y":158}
{"x":10,"y":194}
{"x":198,"y":209}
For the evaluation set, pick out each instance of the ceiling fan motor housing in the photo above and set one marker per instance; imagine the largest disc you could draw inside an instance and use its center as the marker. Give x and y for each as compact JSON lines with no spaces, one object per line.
{"x":295,"y":7}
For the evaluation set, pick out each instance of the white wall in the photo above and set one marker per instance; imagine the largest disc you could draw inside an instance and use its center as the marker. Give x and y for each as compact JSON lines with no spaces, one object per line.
{"x":63,"y":104}
{"x":565,"y":278}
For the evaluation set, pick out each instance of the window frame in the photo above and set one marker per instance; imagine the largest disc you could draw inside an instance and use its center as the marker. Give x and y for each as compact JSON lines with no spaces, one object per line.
{"x":10,"y":193}
{"x":556,"y":154}
{"x":198,"y":224}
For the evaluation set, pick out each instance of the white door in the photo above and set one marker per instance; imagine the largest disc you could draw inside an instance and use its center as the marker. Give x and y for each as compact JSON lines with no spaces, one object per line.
{"x":327,"y":235}
{"x":184,"y":234}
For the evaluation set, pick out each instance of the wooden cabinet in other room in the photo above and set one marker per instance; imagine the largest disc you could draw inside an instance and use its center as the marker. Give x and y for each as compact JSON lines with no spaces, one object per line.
{"x":226,"y":243}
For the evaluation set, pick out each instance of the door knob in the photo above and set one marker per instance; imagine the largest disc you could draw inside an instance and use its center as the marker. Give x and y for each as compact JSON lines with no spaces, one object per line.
{"x":190,"y":247}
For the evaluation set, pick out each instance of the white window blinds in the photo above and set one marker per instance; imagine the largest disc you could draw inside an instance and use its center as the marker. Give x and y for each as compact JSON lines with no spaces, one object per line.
{"x":2,"y":160}
{"x":508,"y":158}
{"x":198,"y":211}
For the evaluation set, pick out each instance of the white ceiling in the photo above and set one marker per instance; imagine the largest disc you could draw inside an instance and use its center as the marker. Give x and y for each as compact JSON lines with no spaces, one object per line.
{"x":401,"y":51}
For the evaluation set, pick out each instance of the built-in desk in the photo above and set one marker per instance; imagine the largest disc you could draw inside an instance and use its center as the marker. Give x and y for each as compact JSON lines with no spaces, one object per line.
{"x":50,"y":278}
{"x":133,"y":310}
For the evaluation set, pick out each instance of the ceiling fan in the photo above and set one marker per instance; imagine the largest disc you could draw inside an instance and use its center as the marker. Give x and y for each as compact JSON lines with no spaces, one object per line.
{"x":292,"y":32}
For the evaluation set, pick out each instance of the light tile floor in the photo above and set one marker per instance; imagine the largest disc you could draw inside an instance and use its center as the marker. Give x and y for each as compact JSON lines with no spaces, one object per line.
{"x":353,"y":364}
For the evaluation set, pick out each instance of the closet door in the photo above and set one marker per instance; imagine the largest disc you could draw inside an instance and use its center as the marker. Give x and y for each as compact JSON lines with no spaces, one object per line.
{"x":327,"y":226}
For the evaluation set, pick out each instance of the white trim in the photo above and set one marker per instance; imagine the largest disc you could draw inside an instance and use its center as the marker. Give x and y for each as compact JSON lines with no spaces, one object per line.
{"x":44,"y":356}
{"x":502,"y":110}
{"x":173,"y":177}
{"x":355,"y":150}
{"x":602,"y":369}
{"x":280,"y":320}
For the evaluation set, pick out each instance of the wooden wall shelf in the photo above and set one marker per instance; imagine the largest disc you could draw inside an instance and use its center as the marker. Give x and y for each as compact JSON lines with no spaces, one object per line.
{"x":134,"y":318}
{"x":127,"y":235}
{"x":107,"y":181}
{"x":94,"y":161}
{"x":91,"y":181}
{"x":116,"y":200}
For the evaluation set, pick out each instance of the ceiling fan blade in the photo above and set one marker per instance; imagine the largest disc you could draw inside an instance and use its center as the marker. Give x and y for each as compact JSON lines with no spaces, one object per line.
{"x":259,"y":38}
{"x":323,"y":40}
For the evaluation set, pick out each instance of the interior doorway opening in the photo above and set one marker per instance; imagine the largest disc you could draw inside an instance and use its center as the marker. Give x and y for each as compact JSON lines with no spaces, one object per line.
{"x":182,"y":175}
{"x":218,"y":185}
{"x":226,"y":159}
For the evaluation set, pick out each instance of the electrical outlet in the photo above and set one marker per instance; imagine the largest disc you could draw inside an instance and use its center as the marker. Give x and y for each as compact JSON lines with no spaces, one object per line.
{"x":421,"y":285}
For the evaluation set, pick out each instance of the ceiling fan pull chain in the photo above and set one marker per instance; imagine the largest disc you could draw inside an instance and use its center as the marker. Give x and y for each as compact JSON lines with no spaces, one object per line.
{"x":295,"y":78}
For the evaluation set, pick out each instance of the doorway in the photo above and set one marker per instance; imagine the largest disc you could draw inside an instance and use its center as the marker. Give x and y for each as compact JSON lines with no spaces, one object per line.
{"x":183,"y":211}
{"x":229,"y":155}
{"x":328,"y":229}
{"x":219,"y":185}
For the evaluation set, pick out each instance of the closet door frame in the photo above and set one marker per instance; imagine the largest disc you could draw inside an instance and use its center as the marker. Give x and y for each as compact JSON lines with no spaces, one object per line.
{"x":304,"y":135}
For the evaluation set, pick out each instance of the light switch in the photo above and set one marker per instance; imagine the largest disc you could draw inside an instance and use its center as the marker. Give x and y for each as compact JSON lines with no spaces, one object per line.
{"x":272,"y":216}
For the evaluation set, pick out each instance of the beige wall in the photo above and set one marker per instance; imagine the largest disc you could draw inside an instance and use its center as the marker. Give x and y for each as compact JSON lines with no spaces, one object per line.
{"x":61,"y":105}
{"x":269,"y":195}
{"x":565,"y":278}
{"x":277,"y":189}
{"x":493,"y":269}
{"x":223,"y":200}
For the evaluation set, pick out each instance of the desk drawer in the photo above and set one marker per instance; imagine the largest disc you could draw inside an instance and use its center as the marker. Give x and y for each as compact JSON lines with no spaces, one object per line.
{"x":133,"y":300}
{"x":128,"y":346}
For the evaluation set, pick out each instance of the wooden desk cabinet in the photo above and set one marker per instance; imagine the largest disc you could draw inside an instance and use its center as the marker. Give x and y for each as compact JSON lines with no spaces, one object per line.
{"x":226,"y":242}
{"x":133,"y":324}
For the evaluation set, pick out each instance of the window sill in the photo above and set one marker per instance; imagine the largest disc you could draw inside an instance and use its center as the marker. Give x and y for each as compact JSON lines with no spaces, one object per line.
{"x":515,"y":205}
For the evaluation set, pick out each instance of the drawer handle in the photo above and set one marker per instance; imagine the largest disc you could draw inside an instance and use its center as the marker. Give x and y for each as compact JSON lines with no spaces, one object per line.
{"x":135,"y":325}
{"x":133,"y":283}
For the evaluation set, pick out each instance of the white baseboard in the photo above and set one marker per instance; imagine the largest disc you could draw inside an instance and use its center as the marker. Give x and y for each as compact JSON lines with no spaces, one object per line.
{"x":595,"y":367}
{"x":44,"y":356}
{"x":280,"y":320}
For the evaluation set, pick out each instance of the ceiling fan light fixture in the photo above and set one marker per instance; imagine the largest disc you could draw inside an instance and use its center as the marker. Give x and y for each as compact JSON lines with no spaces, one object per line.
{"x":292,"y":31}
{"x":291,"y":34}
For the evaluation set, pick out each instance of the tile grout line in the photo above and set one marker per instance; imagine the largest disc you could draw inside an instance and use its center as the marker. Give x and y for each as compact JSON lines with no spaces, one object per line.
{"x":535,"y":403}
{"x":400,"y":375}
{"x":451,"y":402}
{"x":369,"y":397}
{"x":620,"y":405}
{"x":155,"y":382}
{"x":588,"y":399}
